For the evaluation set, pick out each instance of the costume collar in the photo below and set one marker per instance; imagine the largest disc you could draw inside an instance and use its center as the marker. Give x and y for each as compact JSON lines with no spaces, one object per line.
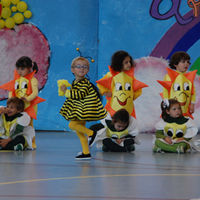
{"x":179,"y":120}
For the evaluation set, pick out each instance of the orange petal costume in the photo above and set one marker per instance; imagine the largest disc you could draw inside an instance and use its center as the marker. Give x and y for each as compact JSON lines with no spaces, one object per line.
{"x":180,"y":86}
{"x":22,"y":87}
{"x":125,"y":89}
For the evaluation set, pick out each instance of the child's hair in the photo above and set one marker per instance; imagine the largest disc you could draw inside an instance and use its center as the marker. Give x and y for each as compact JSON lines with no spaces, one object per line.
{"x":121,"y":115}
{"x":19,"y":103}
{"x":166,"y":105}
{"x":26,"y":62}
{"x":177,"y":57}
{"x":117,"y":60}
{"x":81,"y":59}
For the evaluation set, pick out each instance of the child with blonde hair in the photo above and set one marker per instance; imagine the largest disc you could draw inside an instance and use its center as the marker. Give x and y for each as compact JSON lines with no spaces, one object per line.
{"x":82,"y":104}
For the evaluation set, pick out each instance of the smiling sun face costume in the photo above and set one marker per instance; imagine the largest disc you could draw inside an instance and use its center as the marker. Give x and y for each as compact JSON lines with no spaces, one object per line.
{"x":125,"y":89}
{"x":21,"y":87}
{"x":180,"y":87}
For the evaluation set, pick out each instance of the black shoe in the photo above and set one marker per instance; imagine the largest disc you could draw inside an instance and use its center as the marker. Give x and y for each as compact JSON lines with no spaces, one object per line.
{"x":91,"y":138}
{"x":83,"y":156}
{"x":130,"y":148}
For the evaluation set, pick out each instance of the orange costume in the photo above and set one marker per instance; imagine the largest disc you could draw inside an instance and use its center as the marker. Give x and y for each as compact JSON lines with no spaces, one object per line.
{"x":125,"y":89}
{"x":180,"y":86}
{"x":27,"y":87}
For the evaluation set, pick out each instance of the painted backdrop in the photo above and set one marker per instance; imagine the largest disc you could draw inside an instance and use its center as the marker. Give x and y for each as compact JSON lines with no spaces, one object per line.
{"x":150,"y":30}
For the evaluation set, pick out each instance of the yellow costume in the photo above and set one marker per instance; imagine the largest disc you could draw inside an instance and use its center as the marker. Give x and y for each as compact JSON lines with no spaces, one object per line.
{"x":125,"y":89}
{"x":180,"y":86}
{"x":27,"y":87}
{"x":82,"y":104}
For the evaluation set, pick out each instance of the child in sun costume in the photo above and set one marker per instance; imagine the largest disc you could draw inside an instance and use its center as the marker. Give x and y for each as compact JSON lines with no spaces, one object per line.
{"x":119,"y":85}
{"x":173,"y":132}
{"x":15,"y":131}
{"x":179,"y":84}
{"x":25,"y":86}
{"x":113,"y":135}
{"x":82,"y":104}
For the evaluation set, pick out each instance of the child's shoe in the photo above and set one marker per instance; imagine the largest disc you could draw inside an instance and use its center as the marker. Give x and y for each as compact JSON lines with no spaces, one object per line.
{"x":130,"y":148}
{"x":19,"y":147}
{"x":82,"y":156}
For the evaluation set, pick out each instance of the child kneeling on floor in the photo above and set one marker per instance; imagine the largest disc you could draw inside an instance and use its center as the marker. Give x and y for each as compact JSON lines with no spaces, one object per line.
{"x":15,"y":132}
{"x":117,"y":134}
{"x":174,"y":132}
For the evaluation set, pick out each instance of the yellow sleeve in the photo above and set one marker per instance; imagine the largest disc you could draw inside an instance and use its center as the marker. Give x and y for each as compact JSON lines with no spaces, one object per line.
{"x":67,"y":94}
{"x":165,"y":91}
{"x":102,"y":89}
{"x":34,"y":94}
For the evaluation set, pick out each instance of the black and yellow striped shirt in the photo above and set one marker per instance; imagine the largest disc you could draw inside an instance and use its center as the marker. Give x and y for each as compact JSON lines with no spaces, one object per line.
{"x":83,"y":103}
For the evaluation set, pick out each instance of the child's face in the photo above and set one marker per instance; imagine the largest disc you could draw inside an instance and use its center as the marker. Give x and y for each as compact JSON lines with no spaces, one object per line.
{"x":11,"y":109}
{"x":126,"y":64}
{"x":22,"y":71}
{"x":80,"y":69}
{"x":174,"y":111}
{"x":119,"y":126}
{"x":182,"y":66}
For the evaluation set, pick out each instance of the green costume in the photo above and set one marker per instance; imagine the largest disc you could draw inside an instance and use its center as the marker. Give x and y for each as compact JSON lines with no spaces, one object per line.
{"x":181,"y":130}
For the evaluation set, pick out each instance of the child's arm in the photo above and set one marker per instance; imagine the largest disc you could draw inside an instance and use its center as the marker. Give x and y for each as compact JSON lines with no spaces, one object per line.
{"x":193,"y":100}
{"x":22,"y":122}
{"x":160,"y":134}
{"x":34,"y":94}
{"x":80,"y":92}
{"x":191,"y":108}
{"x":133,"y":127}
{"x":4,"y":142}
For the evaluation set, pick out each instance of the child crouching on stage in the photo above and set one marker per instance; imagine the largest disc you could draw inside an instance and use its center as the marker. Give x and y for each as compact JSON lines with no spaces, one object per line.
{"x":15,"y":132}
{"x":117,"y":134}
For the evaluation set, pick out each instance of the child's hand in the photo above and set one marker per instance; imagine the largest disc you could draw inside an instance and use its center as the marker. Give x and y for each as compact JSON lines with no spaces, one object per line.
{"x":63,"y":88}
{"x":3,"y":109}
{"x":168,"y":140}
{"x":4,"y":142}
{"x":108,"y":94}
{"x":119,"y":141}
{"x":179,"y":139}
{"x":191,"y":108}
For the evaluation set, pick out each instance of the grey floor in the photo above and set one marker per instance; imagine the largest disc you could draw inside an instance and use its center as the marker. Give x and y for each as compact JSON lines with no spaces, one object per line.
{"x":51,"y":172}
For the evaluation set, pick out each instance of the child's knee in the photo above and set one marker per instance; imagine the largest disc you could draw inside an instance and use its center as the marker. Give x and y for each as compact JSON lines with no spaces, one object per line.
{"x":71,"y":125}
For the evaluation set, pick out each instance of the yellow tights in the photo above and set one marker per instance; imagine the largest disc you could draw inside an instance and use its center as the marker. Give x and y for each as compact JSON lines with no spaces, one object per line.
{"x":81,"y":130}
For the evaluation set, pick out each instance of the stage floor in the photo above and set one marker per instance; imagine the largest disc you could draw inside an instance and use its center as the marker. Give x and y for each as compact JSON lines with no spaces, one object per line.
{"x":51,"y":172}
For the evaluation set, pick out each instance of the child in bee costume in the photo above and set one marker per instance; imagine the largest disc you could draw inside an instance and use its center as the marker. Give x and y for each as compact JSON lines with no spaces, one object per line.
{"x":115,"y":135}
{"x":174,"y":132}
